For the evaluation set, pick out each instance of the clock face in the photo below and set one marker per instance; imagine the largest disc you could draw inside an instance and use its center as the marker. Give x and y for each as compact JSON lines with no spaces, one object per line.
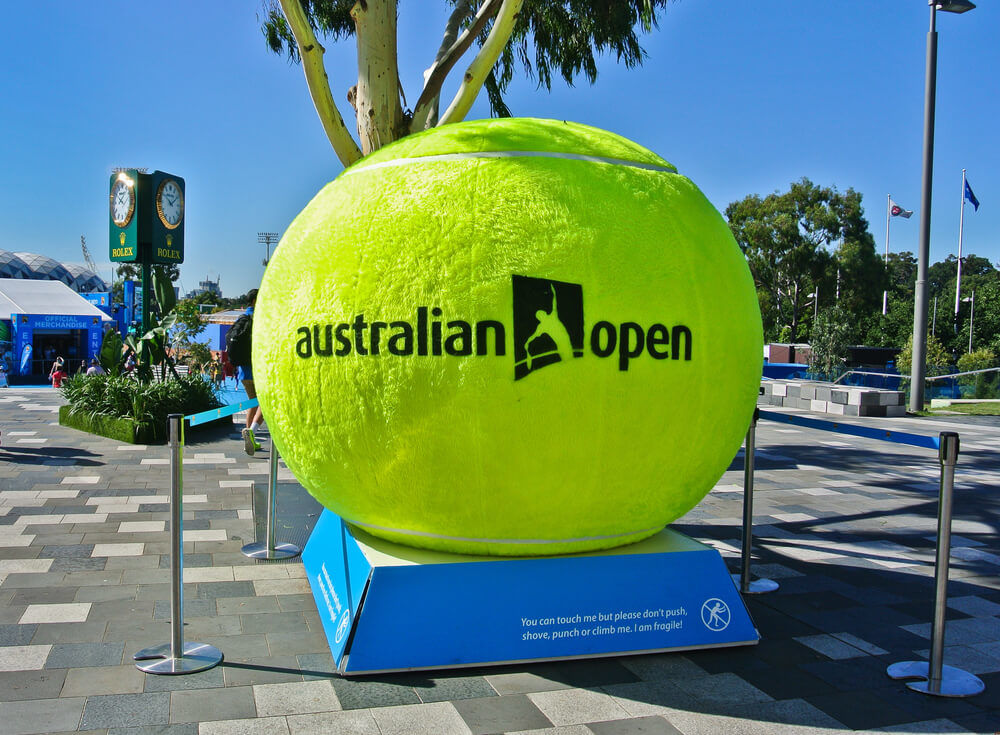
{"x":122,"y":203}
{"x":170,"y":203}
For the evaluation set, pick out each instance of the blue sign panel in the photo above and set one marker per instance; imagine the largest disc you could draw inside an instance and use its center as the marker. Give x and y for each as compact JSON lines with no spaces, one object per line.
{"x":434,"y":610}
{"x":338,"y":573}
{"x":100,"y":299}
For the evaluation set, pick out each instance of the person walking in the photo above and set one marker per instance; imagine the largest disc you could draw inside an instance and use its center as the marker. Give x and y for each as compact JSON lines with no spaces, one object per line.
{"x":238,"y":348}
{"x":57,"y":374}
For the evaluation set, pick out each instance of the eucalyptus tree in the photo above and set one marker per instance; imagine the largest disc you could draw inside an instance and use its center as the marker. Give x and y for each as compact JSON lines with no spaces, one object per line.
{"x":795,"y":243}
{"x":541,"y":38}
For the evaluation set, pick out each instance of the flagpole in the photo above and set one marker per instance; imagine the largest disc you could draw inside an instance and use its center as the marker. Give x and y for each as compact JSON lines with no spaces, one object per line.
{"x":885,"y":293}
{"x":958,"y":279}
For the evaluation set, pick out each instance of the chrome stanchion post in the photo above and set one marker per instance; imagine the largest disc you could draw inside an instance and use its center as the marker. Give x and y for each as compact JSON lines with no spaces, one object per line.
{"x":934,"y":677}
{"x":757,"y":586}
{"x":270,"y":549}
{"x":177,"y":657}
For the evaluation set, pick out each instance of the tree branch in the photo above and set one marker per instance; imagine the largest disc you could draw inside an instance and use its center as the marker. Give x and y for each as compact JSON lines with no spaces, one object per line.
{"x":311,"y":52}
{"x":452,"y":48}
{"x":480,"y":67}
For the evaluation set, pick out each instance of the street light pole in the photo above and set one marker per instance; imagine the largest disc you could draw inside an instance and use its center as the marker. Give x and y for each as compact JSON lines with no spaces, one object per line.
{"x":267,"y":239}
{"x":972,"y":315}
{"x":917,"y":371}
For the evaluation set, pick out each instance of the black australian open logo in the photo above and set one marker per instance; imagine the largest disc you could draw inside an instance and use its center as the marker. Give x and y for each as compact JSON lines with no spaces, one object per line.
{"x":548,"y":327}
{"x":548,"y":323}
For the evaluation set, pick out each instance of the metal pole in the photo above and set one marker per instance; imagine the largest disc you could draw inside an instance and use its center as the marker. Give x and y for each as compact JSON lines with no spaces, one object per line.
{"x":933,"y":676}
{"x":948,"y":456}
{"x":176,"y":537}
{"x":934,"y":321}
{"x":270,"y":549}
{"x":272,"y":498}
{"x":757,"y":586}
{"x":958,"y":273}
{"x":885,"y":293}
{"x":918,"y":368}
{"x":972,"y":315}
{"x":177,"y":657}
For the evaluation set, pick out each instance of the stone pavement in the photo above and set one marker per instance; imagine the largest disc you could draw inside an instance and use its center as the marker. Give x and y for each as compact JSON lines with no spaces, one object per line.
{"x":845,"y":524}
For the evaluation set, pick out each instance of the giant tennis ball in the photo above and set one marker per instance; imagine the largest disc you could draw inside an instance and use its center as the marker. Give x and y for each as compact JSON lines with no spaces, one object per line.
{"x":516,"y":337}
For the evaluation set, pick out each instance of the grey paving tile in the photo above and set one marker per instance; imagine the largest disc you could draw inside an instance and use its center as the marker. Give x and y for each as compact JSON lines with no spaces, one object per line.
{"x":37,"y":684}
{"x":445,"y":688}
{"x":662,"y":666}
{"x":200,"y":705}
{"x":213,"y":590}
{"x":247,"y":605}
{"x":351,"y":722}
{"x":67,"y":550}
{"x":41,"y":715}
{"x":190,"y":728}
{"x":294,"y":643}
{"x":98,"y":680}
{"x":522,"y":682}
{"x":126,"y":710}
{"x":208,"y":679}
{"x":637,"y":726}
{"x":440,"y":718}
{"x":266,"y":670}
{"x":364,"y":693}
{"x":259,"y":726}
{"x":16,"y":635}
{"x":286,"y":622}
{"x":74,"y":564}
{"x":316,"y":666}
{"x":577,"y":706}
{"x":76,"y":655}
{"x":500,"y":714}
{"x":295,"y":698}
{"x":89,"y":632}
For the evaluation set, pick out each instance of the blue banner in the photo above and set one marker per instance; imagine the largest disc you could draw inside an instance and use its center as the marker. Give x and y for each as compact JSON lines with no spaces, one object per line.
{"x":432,"y":610}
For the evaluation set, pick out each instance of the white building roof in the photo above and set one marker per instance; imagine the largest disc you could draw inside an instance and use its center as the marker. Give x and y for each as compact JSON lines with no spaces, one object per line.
{"x":23,"y":296}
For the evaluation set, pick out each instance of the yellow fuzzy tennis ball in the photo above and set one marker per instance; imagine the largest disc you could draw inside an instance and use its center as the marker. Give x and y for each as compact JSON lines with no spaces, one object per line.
{"x":515,"y":337}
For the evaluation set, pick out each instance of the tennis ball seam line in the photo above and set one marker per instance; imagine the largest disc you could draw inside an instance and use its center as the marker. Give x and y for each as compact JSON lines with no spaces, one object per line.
{"x":445,"y":157}
{"x":422,"y":534}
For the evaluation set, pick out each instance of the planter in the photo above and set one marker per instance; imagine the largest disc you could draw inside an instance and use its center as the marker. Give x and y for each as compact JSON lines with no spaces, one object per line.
{"x":124,"y":430}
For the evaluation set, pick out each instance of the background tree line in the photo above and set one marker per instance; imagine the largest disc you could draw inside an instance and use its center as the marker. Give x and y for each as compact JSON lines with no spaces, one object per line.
{"x":817,"y":271}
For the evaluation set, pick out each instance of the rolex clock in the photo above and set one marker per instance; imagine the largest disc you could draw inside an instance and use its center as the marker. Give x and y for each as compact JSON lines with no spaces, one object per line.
{"x":124,"y":212}
{"x":167,"y":228}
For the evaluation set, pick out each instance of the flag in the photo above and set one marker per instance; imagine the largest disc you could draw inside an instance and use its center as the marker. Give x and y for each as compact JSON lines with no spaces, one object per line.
{"x":897,"y":211}
{"x":971,"y":197}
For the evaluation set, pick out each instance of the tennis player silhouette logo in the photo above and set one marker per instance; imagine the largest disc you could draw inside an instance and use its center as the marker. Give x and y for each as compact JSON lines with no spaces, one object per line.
{"x":548,"y":323}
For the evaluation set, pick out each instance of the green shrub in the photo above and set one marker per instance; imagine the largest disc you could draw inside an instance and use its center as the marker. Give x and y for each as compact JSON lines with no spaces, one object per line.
{"x":983,"y":385}
{"x":147,"y":405}
{"x":937,"y":358}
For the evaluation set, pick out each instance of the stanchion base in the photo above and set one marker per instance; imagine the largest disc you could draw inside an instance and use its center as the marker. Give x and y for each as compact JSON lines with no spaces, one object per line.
{"x":756,"y":586}
{"x":954,"y":681}
{"x":280,"y":551}
{"x":196,"y":657}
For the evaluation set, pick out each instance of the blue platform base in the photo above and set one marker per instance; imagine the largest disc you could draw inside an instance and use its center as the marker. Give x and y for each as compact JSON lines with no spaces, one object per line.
{"x":387,"y":607}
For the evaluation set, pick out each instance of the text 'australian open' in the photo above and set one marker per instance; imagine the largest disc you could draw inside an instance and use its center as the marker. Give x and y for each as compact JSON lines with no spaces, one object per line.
{"x":429,"y":336}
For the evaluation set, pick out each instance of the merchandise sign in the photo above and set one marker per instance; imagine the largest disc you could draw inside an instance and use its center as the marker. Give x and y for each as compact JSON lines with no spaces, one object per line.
{"x":25,"y":326}
{"x":426,"y":609}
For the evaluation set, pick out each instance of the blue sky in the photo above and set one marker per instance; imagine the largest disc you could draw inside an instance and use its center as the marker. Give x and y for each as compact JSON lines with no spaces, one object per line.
{"x":742,"y":97}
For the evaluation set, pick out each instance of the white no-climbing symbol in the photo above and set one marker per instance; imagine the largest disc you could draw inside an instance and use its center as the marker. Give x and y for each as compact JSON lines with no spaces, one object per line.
{"x":715,"y":614}
{"x":343,"y":626}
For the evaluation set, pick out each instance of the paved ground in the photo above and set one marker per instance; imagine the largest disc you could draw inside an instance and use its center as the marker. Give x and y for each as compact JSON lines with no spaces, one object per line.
{"x":846,"y":525}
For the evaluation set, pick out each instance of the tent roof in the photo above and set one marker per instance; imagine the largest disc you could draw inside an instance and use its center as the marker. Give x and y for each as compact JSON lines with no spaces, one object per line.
{"x":25,"y":296}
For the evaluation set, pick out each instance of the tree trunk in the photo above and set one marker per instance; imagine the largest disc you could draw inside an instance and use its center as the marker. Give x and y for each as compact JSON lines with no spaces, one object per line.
{"x":376,"y":98}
